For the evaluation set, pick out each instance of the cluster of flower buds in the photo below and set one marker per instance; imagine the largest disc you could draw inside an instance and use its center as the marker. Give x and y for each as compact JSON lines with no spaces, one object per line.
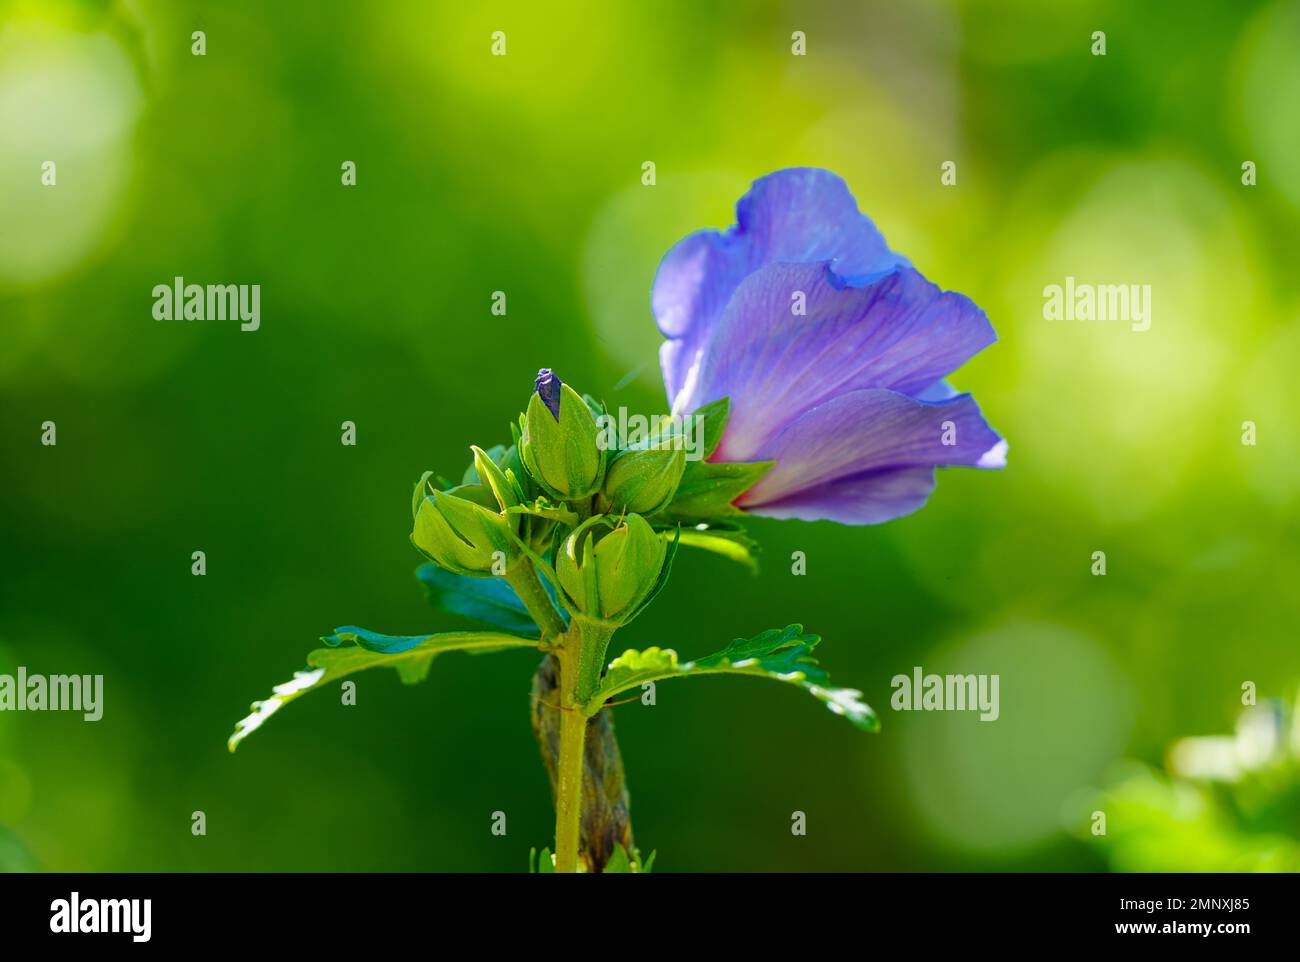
{"x":561,"y":495}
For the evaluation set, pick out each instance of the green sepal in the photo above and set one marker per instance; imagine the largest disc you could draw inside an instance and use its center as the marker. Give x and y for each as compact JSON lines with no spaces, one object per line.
{"x":670,"y":552}
{"x":715,"y":415}
{"x":513,"y":461}
{"x":708,"y":488}
{"x":422,"y":490}
{"x":506,"y":492}
{"x":498,"y":455}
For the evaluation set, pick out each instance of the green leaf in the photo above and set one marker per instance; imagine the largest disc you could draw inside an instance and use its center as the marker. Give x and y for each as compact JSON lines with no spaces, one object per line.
{"x":619,"y":863}
{"x":540,"y":863}
{"x":356,"y":649}
{"x":782,"y":655}
{"x":709,"y":487}
{"x":726,"y":539}
{"x":623,"y":862}
{"x":488,"y":600}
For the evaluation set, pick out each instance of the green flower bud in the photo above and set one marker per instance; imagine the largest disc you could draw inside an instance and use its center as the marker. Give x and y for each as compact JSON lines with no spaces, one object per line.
{"x":559,"y":445}
{"x":608,"y":573}
{"x":641,"y":480}
{"x":464,"y":528}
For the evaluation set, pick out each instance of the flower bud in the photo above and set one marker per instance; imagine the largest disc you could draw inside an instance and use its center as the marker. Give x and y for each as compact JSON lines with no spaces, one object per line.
{"x":464,"y":528}
{"x":608,"y":573}
{"x":559,"y":445}
{"x":642,"y":480}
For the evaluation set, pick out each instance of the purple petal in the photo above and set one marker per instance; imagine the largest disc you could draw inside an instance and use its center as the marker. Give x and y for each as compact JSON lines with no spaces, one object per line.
{"x":864,"y":439}
{"x":798,"y":215}
{"x":900,"y":332}
{"x":873,"y":497}
{"x":548,"y":385}
{"x":938,"y":391}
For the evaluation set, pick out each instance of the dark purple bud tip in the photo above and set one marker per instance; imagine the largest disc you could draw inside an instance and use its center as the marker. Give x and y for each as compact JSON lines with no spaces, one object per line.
{"x":548,"y":386}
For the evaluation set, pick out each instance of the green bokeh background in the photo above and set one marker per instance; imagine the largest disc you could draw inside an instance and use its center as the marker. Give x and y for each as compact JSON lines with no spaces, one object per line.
{"x":523,"y":174}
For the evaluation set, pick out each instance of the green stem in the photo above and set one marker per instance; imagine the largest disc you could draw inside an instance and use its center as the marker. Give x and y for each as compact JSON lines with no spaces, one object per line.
{"x":582,"y":658}
{"x":605,"y":820}
{"x":573,"y":721}
{"x":523,"y":578}
{"x":568,"y":781}
{"x":581,"y":652}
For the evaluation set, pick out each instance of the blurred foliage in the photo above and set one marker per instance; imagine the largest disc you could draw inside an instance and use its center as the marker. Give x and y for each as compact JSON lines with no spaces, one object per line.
{"x":522,"y":174}
{"x":1228,"y":803}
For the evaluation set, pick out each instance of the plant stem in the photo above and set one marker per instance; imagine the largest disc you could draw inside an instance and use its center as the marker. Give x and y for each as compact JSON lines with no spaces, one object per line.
{"x":580,"y":651}
{"x":523,"y":578}
{"x":605,"y":817}
{"x":568,"y":776}
{"x":573,"y":721}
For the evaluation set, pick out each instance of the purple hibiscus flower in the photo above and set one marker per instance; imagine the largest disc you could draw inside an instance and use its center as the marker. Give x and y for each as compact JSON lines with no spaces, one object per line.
{"x":832,"y":349}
